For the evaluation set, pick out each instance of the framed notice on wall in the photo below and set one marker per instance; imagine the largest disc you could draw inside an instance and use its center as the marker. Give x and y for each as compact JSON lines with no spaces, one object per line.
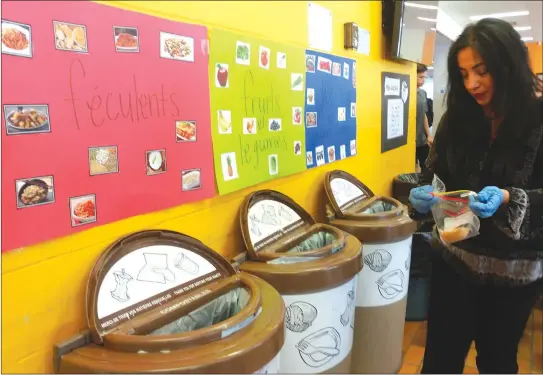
{"x":105,"y":115}
{"x":395,"y":98}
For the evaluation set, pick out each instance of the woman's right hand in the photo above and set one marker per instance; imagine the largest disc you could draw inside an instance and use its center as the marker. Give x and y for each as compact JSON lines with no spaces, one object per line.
{"x":421,"y":199}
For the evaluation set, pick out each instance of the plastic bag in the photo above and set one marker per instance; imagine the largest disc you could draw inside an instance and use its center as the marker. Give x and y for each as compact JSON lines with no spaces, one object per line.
{"x":454,"y":219}
{"x":313,"y":242}
{"x":213,"y":312}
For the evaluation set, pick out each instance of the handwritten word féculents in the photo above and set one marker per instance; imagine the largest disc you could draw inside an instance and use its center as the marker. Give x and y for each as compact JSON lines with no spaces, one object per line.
{"x":132,"y":104}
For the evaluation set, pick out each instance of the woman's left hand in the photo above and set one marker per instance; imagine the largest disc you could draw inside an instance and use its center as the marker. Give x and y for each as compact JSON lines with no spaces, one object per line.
{"x":487,"y":202}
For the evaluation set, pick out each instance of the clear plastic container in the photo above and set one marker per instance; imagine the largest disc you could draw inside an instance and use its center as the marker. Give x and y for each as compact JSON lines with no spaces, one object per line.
{"x":454,"y":219}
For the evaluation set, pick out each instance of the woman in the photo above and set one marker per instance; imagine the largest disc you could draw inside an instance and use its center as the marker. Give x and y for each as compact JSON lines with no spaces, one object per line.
{"x":489,"y":141}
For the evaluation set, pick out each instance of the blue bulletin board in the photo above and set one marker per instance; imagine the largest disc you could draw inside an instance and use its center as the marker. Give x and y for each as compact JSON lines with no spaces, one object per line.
{"x":330,"y":108}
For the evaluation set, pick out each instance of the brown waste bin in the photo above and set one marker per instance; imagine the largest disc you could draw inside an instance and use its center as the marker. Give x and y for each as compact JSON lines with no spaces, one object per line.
{"x":314,"y":268}
{"x":383,"y":226}
{"x":162,"y":302}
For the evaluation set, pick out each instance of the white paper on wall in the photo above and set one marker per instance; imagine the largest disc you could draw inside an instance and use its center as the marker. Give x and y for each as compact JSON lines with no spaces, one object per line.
{"x":319,"y":22}
{"x":384,"y":278}
{"x":363,"y":41}
{"x":394,"y":118}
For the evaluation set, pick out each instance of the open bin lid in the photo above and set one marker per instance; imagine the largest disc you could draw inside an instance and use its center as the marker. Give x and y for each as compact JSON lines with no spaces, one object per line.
{"x":268,"y":217}
{"x":358,"y":211}
{"x":139,"y":273}
{"x":345,"y":191}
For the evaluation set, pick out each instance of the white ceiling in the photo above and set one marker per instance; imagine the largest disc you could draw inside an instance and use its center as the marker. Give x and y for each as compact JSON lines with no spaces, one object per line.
{"x":460,"y":11}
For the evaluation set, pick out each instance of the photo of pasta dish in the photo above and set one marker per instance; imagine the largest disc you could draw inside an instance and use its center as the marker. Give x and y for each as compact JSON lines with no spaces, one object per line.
{"x":14,"y":39}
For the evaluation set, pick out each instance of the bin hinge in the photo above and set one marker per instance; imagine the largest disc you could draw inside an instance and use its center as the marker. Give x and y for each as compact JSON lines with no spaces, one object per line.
{"x":237,"y":260}
{"x":73,"y":343}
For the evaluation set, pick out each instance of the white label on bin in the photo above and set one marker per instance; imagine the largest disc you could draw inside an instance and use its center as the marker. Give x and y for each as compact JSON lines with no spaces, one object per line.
{"x":346,"y":193}
{"x":384,"y":278}
{"x":319,"y":332}
{"x":148,"y":277}
{"x":272,"y":367}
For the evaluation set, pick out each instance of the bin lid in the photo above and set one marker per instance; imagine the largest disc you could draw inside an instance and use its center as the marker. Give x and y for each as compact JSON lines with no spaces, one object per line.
{"x":344,"y":191}
{"x":267,"y":216}
{"x":140,"y":272}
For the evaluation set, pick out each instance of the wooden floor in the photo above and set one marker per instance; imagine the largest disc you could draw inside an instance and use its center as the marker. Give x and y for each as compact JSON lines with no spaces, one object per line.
{"x":529,"y":357}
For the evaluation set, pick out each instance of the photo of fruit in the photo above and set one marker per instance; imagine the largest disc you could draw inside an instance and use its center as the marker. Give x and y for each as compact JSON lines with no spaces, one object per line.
{"x":324,"y":65}
{"x":224,"y":121}
{"x":273,"y":164}
{"x":70,"y":37}
{"x":281,"y":60}
{"x":264,"y":57}
{"x":229,"y":166}
{"x":331,"y":154}
{"x":243,"y":53}
{"x":345,"y":70}
{"x":297,"y":115}
{"x":274,"y":124}
{"x":221,"y":75}
{"x":249,"y":126}
{"x":309,"y":157}
{"x":336,"y":69}
{"x":296,"y":81}
{"x":310,"y":63}
{"x":342,"y":152}
{"x":310,"y":96}
{"x":341,"y":114}
{"x":297,"y":148}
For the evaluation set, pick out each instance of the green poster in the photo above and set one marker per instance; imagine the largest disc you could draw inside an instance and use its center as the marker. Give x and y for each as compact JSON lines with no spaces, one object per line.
{"x":257,"y":106}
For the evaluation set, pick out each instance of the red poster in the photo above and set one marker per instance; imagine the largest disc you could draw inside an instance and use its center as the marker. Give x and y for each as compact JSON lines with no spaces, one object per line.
{"x":105,"y":115}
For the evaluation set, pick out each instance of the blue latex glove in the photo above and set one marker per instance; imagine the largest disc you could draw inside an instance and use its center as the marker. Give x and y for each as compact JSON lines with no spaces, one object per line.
{"x":487,"y":202}
{"x":421,"y":199}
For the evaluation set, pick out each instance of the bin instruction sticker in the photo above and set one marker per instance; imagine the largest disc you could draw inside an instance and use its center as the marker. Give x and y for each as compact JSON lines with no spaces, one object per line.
{"x":147,"y":278}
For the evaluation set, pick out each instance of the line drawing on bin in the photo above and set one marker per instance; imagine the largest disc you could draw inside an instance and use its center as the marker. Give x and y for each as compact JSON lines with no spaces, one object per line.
{"x":378,"y":260}
{"x":345,"y":318}
{"x":320,"y":347}
{"x":299,"y":316}
{"x":391,"y":284}
{"x":155,"y":269}
{"x":120,"y":293}
{"x":184,"y":263}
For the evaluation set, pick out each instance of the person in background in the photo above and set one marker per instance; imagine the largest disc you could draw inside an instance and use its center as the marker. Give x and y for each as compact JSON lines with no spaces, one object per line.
{"x":423,"y":137}
{"x":430,"y":112}
{"x":489,"y":141}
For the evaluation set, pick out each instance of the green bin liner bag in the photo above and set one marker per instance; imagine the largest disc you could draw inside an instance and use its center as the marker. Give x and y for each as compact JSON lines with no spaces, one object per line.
{"x":313,"y":242}
{"x":213,"y":312}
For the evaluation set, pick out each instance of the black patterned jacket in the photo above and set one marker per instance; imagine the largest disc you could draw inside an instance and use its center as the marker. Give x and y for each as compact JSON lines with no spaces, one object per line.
{"x":509,"y":247}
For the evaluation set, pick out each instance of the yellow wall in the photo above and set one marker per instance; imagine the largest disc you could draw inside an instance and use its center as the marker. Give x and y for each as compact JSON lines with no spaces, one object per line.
{"x":43,"y":286}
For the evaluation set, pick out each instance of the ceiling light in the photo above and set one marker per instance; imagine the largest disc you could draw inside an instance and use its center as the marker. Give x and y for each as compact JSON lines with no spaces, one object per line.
{"x":523,"y":28}
{"x":527,"y":38}
{"x":500,"y":15}
{"x":417,"y":5}
{"x":427,"y":19}
{"x":430,"y":68}
{"x":433,"y":28}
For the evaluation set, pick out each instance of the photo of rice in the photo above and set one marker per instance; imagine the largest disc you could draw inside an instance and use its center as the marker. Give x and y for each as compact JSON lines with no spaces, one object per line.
{"x":103,"y":160}
{"x":35,"y":191}
{"x":190,"y":179}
